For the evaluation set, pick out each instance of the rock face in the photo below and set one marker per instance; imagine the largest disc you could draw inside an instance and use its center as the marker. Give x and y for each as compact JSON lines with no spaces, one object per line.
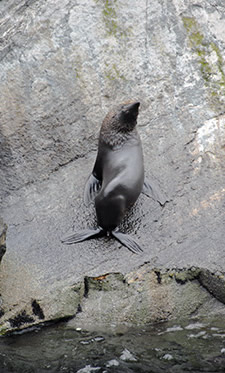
{"x":63,"y":66}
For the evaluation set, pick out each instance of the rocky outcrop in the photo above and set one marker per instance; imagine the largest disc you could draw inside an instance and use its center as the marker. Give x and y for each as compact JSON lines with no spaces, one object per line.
{"x":141,"y":297}
{"x":146,"y":296}
{"x":63,"y":66}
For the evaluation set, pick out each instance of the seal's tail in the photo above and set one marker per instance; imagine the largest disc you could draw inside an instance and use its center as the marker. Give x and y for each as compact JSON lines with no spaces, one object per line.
{"x":127,"y":241}
{"x":80,"y":236}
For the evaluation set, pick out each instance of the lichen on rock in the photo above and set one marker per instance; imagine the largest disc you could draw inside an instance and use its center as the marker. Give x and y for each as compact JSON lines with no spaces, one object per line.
{"x":210,"y":59}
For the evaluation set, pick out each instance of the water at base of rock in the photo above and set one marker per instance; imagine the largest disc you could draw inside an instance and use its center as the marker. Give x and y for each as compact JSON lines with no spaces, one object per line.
{"x":181,"y":346}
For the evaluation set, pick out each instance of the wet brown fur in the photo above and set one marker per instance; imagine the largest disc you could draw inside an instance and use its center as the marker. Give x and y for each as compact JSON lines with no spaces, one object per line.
{"x":113,"y":131}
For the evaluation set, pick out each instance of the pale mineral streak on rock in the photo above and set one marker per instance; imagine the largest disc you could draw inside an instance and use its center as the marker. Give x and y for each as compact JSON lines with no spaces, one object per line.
{"x":211,"y":136}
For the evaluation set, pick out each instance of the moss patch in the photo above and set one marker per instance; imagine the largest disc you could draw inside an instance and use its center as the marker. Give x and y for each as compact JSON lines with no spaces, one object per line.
{"x":114,"y":28}
{"x":112,"y":72}
{"x":109,"y":16}
{"x":210,"y":60}
{"x":185,"y":275}
{"x":110,"y":19}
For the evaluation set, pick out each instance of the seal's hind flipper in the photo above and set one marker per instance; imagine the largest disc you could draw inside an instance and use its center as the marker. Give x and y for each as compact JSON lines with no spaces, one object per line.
{"x":152,"y":190}
{"x":91,"y":189}
{"x":80,"y":236}
{"x":127,"y":241}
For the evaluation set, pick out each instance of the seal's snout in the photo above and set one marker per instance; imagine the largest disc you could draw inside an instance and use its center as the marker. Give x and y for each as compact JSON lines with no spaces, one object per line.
{"x":137,"y":104}
{"x":130,"y":109}
{"x":130,"y":113}
{"x":133,"y":106}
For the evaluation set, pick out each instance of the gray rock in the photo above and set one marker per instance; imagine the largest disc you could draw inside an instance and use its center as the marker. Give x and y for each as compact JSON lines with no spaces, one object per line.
{"x":63,"y":66}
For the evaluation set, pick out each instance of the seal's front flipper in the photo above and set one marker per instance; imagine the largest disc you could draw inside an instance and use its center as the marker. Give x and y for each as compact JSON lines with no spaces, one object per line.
{"x":127,"y":241}
{"x":152,"y":190}
{"x":80,"y":236}
{"x":91,"y":189}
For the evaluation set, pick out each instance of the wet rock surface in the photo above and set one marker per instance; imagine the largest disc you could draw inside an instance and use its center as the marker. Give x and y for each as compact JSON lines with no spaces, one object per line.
{"x":63,"y":66}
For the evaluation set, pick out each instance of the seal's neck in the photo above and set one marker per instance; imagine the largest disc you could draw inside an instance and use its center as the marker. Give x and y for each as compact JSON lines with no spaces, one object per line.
{"x":116,"y":139}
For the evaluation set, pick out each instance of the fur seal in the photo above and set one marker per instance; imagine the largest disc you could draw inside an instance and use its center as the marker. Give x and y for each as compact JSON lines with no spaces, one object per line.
{"x":117,"y":178}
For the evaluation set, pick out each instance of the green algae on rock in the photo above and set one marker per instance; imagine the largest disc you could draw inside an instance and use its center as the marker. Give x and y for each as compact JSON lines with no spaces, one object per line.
{"x":211,"y":61}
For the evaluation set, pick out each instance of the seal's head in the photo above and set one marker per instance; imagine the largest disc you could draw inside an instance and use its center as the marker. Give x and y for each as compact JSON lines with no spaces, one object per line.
{"x":128,"y":115}
{"x":123,"y":118}
{"x":120,"y":124}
